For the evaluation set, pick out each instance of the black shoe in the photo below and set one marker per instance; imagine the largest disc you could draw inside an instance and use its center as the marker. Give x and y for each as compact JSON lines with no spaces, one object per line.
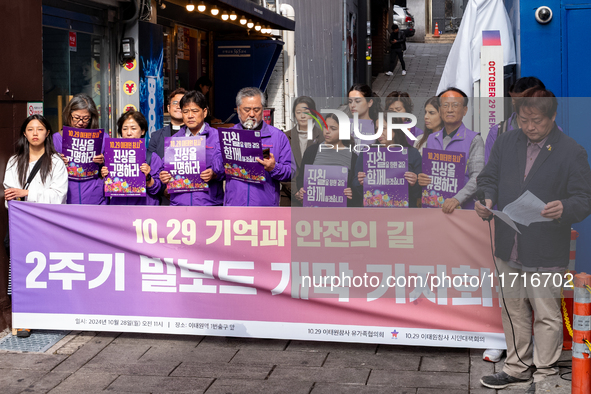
{"x":501,"y":380}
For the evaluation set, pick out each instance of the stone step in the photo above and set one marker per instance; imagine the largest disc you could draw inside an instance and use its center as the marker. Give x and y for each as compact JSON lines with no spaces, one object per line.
{"x":443,"y":39}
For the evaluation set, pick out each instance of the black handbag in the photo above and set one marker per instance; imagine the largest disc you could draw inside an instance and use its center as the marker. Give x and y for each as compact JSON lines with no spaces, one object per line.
{"x":34,"y":172}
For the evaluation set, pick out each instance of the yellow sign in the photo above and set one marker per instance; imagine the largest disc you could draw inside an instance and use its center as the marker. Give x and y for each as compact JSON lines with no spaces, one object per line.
{"x":129,"y":87}
{"x":129,"y":107}
{"x":130,"y":65}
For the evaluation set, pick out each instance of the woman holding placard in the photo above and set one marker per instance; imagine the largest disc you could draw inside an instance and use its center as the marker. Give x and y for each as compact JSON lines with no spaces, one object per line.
{"x":81,"y":113}
{"x":208,"y":188}
{"x":133,"y":124}
{"x":397,"y":144}
{"x":330,"y":152}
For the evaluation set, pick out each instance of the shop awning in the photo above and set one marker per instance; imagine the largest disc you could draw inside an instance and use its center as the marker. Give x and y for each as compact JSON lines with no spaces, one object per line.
{"x":175,"y":10}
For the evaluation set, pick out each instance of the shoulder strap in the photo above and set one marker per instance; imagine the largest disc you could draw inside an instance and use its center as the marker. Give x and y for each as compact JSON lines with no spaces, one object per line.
{"x":502,"y":127}
{"x":34,"y":172}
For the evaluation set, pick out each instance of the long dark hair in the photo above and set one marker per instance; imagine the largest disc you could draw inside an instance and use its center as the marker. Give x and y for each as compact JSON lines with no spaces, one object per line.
{"x":434,"y":101}
{"x":366,"y":91}
{"x":22,"y":151}
{"x":82,"y":101}
{"x":332,"y":116}
{"x":403,"y":97}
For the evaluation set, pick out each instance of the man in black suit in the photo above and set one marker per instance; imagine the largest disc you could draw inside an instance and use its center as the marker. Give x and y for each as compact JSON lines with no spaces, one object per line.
{"x":541,"y":159}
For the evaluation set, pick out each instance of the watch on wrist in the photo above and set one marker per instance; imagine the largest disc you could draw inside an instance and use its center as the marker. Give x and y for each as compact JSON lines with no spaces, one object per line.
{"x":148,"y":177}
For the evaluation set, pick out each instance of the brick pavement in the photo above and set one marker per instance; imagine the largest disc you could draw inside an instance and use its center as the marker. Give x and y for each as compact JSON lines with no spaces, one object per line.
{"x":424,"y":65}
{"x":151,"y":363}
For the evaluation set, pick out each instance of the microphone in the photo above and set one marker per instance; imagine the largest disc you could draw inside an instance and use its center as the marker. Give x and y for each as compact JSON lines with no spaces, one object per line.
{"x":249,"y":124}
{"x":481,"y":199}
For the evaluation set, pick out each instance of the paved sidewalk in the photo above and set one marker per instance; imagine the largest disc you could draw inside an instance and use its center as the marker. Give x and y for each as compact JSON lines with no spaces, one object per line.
{"x":87,"y":362}
{"x":424,"y":66}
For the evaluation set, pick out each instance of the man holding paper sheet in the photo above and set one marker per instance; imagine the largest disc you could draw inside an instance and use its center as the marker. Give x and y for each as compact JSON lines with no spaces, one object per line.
{"x":542,"y":160}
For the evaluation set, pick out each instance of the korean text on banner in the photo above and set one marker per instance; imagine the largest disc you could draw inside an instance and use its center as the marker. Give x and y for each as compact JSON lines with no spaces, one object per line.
{"x":384,"y":184}
{"x":325,"y":186}
{"x":124,"y":156}
{"x":80,"y":146}
{"x":446,"y":169}
{"x":240,"y":149}
{"x":184,"y":159}
{"x":405,"y":275}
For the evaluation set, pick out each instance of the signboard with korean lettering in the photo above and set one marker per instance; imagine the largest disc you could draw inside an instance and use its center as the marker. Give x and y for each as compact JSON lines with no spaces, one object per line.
{"x":446,"y":169}
{"x":325,"y":186}
{"x":345,"y":274}
{"x":384,"y":184}
{"x":123,"y":158}
{"x":184,"y":159}
{"x":80,"y":146}
{"x":240,"y":149}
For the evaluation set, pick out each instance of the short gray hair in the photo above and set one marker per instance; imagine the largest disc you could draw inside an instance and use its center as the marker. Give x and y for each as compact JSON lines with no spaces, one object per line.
{"x":250,"y":92}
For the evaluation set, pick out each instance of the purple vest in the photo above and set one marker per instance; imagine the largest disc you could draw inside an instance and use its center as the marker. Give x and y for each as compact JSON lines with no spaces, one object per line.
{"x":460,"y":142}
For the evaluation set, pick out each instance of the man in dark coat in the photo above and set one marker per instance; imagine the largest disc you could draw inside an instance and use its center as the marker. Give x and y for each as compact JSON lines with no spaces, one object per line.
{"x":541,"y":159}
{"x":397,"y":48}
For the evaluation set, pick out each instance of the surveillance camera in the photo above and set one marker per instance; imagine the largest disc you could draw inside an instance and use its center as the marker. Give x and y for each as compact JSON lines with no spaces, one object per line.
{"x":544,"y":15}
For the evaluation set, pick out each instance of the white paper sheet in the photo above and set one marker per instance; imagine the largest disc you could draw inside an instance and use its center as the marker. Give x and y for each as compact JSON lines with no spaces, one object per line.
{"x":505,"y":218}
{"x":526,"y":209}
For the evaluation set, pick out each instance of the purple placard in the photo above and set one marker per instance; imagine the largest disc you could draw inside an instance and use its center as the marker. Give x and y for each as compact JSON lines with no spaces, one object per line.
{"x":384,"y":184}
{"x":325,"y":186}
{"x":123,"y":158}
{"x":80,"y":146}
{"x":184,"y":159}
{"x":240,"y":149}
{"x":446,"y":169}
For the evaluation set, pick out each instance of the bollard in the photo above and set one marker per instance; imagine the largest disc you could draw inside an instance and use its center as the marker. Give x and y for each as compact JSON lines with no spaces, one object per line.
{"x":581,"y":380}
{"x":567,"y":295}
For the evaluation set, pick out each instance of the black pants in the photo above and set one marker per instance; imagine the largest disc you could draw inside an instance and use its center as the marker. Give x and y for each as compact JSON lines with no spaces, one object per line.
{"x":396,"y":54}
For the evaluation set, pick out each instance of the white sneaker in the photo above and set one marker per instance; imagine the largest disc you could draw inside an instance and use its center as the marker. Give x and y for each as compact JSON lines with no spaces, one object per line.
{"x":389,"y":73}
{"x":493,"y":355}
{"x":403,"y":72}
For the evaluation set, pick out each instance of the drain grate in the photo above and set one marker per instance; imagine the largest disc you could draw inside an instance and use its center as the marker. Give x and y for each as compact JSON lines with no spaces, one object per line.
{"x":38,"y":342}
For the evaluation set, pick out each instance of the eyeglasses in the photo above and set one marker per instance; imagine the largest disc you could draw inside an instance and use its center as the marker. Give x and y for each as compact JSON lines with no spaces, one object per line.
{"x":256,"y":110}
{"x":84,"y":119}
{"x":453,"y":105}
{"x":175,"y":103}
{"x":194,"y":110}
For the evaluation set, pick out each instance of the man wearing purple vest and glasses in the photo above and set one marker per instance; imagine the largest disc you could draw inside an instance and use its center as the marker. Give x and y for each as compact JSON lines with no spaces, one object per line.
{"x":455,"y":137}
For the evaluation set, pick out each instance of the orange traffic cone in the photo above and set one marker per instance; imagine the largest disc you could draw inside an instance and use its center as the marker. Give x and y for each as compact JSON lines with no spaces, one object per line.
{"x":436,"y":35}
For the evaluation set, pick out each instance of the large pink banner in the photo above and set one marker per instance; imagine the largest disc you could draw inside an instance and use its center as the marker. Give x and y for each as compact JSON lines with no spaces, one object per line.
{"x":400,"y":276}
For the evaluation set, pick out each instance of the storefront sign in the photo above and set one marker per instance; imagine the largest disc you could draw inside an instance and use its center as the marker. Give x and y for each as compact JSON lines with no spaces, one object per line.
{"x":73,"y":41}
